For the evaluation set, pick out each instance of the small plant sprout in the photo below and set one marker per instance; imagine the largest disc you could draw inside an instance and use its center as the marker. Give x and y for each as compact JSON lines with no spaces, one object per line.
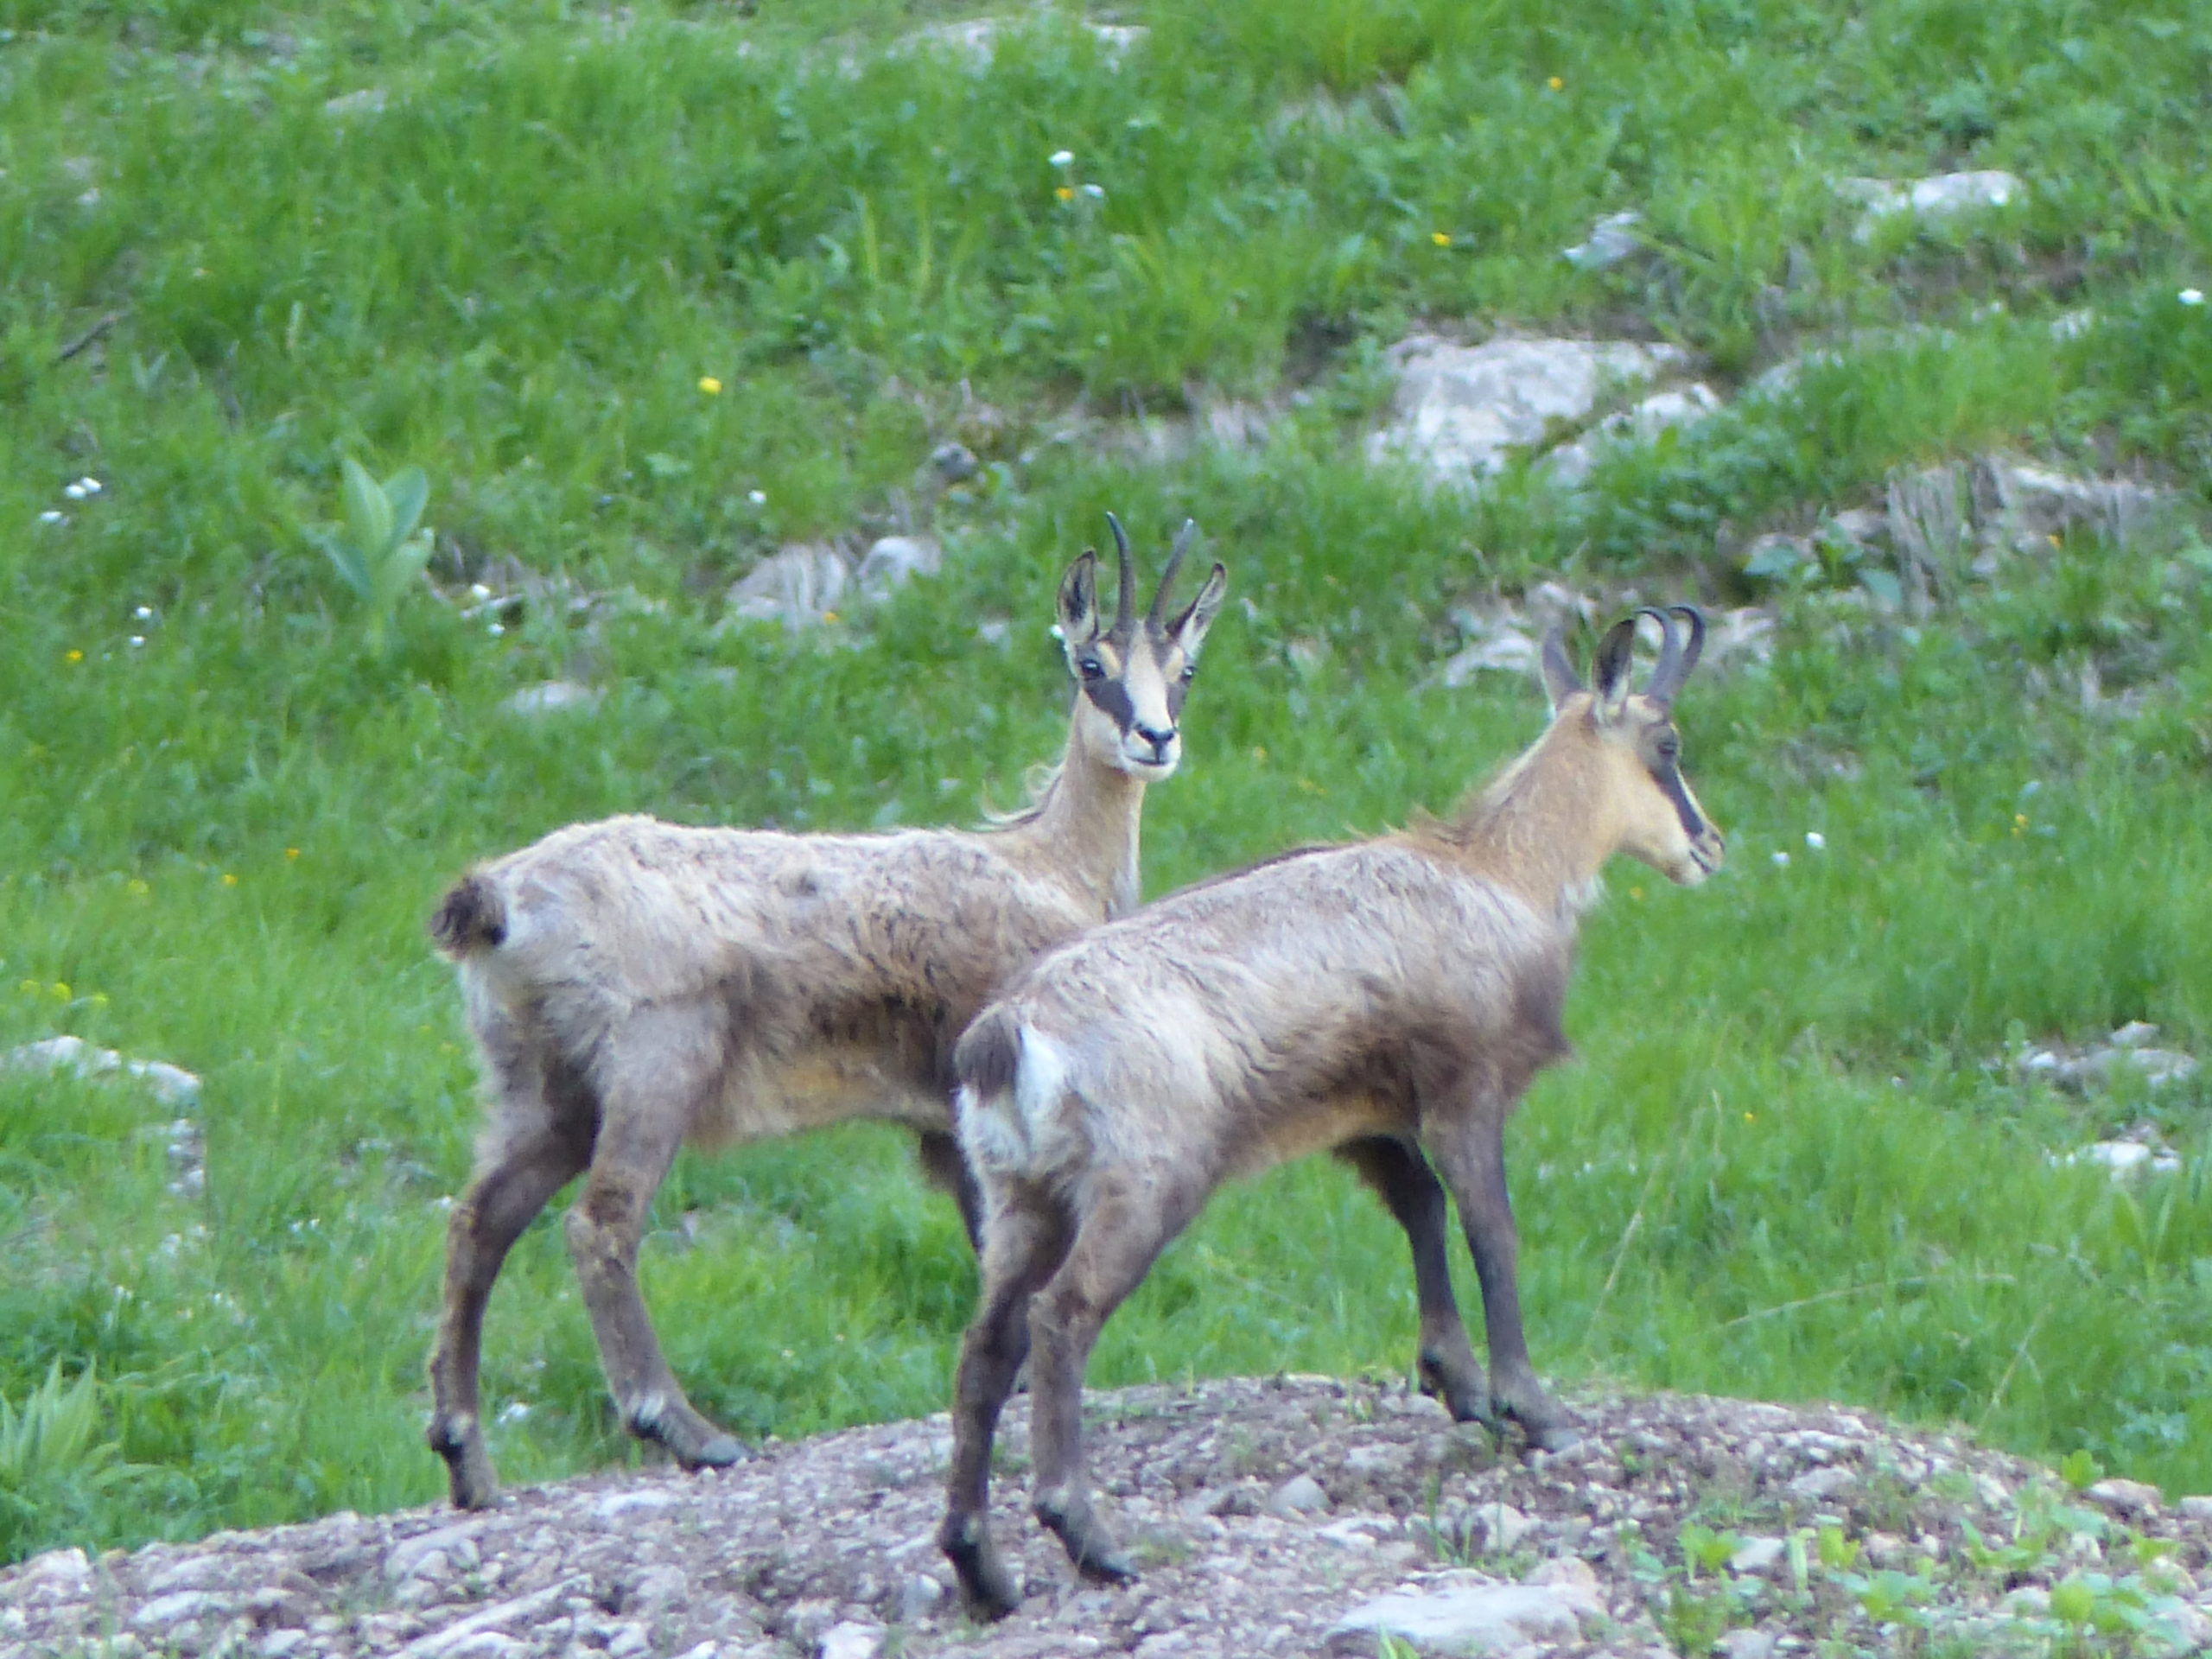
{"x":379,"y":551}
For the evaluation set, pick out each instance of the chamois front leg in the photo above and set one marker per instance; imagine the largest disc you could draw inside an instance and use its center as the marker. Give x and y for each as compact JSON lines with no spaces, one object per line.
{"x":503,"y":1198}
{"x":1403,"y":1180}
{"x":1469,"y":1150}
{"x":1026,"y":1245}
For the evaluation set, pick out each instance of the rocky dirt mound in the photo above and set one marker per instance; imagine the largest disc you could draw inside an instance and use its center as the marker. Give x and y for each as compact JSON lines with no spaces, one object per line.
{"x":1297,"y":1516}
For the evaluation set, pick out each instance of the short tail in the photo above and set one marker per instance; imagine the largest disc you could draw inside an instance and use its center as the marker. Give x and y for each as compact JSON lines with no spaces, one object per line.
{"x":473,"y":916}
{"x":988,"y":1052}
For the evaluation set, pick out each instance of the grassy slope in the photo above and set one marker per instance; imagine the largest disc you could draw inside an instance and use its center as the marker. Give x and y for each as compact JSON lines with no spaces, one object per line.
{"x":515,"y":275}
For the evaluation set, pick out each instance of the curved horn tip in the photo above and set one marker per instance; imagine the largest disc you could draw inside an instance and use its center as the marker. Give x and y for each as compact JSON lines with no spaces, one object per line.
{"x":1125,"y":603}
{"x":1173,"y":565}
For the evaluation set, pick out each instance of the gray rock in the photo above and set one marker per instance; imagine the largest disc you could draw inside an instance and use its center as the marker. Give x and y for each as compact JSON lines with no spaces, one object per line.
{"x":919,"y":1597}
{"x":974,"y":41}
{"x":799,"y":588}
{"x":2126,"y":1158}
{"x":551,"y":697}
{"x":2133,"y":1498}
{"x":1826,"y":1483}
{"x":1611,"y":239}
{"x":1746,"y":1645}
{"x":1472,"y":1620}
{"x":1756,"y":1556}
{"x":894,"y":561}
{"x":369,"y":100}
{"x":1299,"y":1495}
{"x":170,"y":1084}
{"x":58,"y":1571}
{"x":164,"y":1611}
{"x":628,"y":1639}
{"x":615,"y":1505}
{"x":658,"y":1587}
{"x":432,"y":1553}
{"x":1504,"y":1528}
{"x":1676,"y":406}
{"x":2198,"y":1507}
{"x":852,"y":1640}
{"x":1939,"y":197}
{"x":1460,"y":411}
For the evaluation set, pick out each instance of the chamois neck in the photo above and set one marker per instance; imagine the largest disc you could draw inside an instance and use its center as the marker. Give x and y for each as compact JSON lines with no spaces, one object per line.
{"x":1090,"y":820}
{"x":1540,"y":827}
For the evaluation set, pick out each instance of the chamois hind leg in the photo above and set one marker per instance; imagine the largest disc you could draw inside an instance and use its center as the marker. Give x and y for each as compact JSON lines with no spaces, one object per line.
{"x":539,"y":1136}
{"x":942,"y":1162}
{"x":663,"y":1064}
{"x":1028,"y":1241}
{"x":1469,"y":1151}
{"x":1408,"y":1188}
{"x":504,"y":1198}
{"x":1125,"y":1227}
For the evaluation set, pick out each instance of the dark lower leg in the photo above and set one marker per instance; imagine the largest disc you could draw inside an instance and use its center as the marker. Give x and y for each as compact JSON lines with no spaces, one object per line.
{"x":1474,"y":1162}
{"x":1403,"y":1180}
{"x":1029,"y":1249}
{"x":1114,"y":1248}
{"x":499,"y":1203}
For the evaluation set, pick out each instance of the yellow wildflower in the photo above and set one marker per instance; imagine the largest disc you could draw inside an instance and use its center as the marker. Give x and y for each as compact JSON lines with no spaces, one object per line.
{"x":1065,"y":194}
{"x":291,"y":852}
{"x":74,"y":655}
{"x":229,"y":881}
{"x":1442,"y":239}
{"x":708,"y":384}
{"x":1555,"y":83}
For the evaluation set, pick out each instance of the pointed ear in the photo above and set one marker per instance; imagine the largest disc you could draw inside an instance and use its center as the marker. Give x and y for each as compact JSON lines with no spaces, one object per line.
{"x":1560,"y":681}
{"x":1079,"y":602}
{"x":1187,"y":628}
{"x":1616,"y":655}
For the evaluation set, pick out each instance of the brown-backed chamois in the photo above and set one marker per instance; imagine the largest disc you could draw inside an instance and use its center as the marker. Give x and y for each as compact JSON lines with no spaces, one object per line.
{"x":633,"y":985}
{"x":1381,"y":1000}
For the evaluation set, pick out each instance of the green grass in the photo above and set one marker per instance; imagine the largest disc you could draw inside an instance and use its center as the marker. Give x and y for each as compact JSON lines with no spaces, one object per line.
{"x":1785,"y":1165}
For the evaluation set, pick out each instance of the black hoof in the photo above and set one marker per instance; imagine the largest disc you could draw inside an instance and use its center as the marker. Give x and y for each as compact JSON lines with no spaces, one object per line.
{"x":1465,"y":1395}
{"x":719,"y":1451}
{"x":473,"y":1483}
{"x":986,"y":1589}
{"x":1089,"y":1547}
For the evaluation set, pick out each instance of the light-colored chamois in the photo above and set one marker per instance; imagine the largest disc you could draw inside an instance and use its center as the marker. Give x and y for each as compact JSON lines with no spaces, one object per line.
{"x":633,"y":985}
{"x":1381,"y":1000}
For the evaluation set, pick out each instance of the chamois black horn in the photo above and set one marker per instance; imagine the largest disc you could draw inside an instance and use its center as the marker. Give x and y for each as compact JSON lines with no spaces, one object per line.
{"x":1125,"y":604}
{"x":1167,"y":576}
{"x":1666,"y":676}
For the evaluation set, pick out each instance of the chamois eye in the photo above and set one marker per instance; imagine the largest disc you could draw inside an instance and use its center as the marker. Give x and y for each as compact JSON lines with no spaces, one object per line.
{"x":1091,"y":669}
{"x":1668,"y":746}
{"x":1190,"y":672}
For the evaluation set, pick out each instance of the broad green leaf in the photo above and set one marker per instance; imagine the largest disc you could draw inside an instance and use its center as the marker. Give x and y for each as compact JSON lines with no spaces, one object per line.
{"x":406,"y":492}
{"x":345,"y":561}
{"x":368,"y":512}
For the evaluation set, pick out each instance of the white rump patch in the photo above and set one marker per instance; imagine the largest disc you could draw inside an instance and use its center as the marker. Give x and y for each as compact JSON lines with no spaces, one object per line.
{"x":1006,"y":1133}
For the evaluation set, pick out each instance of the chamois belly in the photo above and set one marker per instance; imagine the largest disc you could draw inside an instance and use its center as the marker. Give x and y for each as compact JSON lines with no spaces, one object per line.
{"x":832,"y":1083}
{"x":1321,"y":1125}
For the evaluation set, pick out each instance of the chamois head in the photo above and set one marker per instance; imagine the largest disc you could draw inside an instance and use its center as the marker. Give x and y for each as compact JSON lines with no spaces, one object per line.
{"x":1655,"y":816}
{"x":1131,"y":674}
